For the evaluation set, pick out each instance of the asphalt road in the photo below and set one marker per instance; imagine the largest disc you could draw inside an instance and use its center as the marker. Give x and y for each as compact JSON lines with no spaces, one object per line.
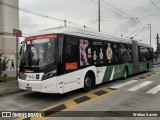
{"x":137,"y":93}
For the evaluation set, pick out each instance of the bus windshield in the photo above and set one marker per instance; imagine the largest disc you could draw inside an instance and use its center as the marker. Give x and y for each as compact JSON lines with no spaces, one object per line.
{"x":38,"y":53}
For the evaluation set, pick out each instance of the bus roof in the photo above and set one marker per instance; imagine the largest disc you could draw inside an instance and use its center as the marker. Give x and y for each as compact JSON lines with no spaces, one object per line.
{"x":87,"y":33}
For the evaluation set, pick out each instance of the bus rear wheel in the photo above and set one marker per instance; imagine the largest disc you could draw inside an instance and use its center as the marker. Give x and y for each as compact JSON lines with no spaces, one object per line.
{"x":88,"y":82}
{"x":125,"y":73}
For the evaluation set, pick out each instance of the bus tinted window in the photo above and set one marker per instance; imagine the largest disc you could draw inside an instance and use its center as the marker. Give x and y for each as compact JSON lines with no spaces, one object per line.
{"x":111,"y":53}
{"x":71,"y":50}
{"x":150,"y":50}
{"x":145,"y":53}
{"x":125,"y":53}
{"x":98,"y":52}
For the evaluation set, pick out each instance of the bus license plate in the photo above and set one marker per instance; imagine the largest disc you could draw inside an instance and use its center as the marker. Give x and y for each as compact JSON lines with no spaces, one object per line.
{"x":28,"y":88}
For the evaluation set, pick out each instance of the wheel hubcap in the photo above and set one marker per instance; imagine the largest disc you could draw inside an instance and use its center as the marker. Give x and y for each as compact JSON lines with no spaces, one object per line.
{"x":88,"y":82}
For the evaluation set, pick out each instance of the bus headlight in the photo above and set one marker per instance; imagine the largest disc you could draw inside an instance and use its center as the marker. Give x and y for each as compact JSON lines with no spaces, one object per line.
{"x":49,"y":75}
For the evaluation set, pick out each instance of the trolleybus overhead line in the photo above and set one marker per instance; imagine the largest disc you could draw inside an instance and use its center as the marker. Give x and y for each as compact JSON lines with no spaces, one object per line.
{"x":116,"y":8}
{"x":134,"y":19}
{"x":154,"y":4}
{"x":135,"y":32}
{"x":139,"y":33}
{"x":118,"y":11}
{"x":108,"y":9}
{"x":41,"y":15}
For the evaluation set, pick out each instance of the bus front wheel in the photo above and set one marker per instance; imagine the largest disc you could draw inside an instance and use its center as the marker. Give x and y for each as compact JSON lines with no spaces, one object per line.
{"x":88,"y":82}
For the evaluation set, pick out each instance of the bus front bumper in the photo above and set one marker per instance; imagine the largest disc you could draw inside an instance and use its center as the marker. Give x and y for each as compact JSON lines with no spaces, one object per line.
{"x":46,"y":86}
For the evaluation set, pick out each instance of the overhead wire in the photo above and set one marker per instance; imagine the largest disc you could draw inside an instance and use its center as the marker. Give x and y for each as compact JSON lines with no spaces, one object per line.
{"x":140,"y":32}
{"x":117,"y":9}
{"x":53,"y":18}
{"x":45,"y":16}
{"x":154,"y":4}
{"x":40,"y":15}
{"x":108,"y":8}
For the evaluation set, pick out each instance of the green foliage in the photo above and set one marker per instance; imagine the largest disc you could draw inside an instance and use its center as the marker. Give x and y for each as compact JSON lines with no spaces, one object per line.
{"x":3,"y":63}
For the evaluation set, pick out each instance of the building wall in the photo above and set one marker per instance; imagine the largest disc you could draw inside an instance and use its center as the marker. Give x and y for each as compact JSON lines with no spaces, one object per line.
{"x":0,"y":25}
{"x":9,"y":21}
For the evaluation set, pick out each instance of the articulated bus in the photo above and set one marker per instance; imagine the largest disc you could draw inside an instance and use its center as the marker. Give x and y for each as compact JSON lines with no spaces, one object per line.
{"x":65,"y":59}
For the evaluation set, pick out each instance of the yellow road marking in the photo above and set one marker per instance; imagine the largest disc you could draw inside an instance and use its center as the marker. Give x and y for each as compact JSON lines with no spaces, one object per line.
{"x":146,"y":77}
{"x":91,"y":100}
{"x":71,"y":104}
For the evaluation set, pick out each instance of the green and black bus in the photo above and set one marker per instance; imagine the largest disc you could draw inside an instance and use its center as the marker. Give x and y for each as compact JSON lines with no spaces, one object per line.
{"x":65,"y":59}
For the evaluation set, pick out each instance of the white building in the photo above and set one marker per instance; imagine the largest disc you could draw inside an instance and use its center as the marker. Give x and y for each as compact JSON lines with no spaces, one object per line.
{"x":9,"y":20}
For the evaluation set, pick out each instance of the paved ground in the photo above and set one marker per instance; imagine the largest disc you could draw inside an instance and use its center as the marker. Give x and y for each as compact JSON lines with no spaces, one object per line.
{"x":9,"y":87}
{"x":138,"y":93}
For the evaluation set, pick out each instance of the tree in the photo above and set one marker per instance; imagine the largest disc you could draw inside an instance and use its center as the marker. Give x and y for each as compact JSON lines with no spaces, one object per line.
{"x":3,"y":63}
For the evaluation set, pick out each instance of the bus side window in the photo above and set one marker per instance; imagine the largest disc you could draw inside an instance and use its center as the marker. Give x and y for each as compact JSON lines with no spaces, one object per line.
{"x":145,"y":54}
{"x":71,"y":53}
{"x":115,"y":53}
{"x":98,"y":53}
{"x":150,"y":53}
{"x":111,"y":53}
{"x":125,"y":53}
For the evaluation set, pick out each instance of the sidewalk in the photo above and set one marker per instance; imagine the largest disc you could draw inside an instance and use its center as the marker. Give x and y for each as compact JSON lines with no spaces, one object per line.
{"x":9,"y":87}
{"x":10,"y":73}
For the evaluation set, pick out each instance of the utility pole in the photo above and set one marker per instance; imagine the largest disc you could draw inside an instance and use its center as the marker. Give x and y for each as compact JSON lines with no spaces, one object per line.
{"x":150,"y":33}
{"x":158,"y":47}
{"x":65,"y":23}
{"x":99,"y":16}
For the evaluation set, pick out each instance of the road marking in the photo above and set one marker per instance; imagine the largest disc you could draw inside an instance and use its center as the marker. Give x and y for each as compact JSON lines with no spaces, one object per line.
{"x":82,"y":99}
{"x":124,"y":84}
{"x":148,"y":75}
{"x":88,"y":97}
{"x":99,"y":93}
{"x":154,"y":90}
{"x":140,"y":86}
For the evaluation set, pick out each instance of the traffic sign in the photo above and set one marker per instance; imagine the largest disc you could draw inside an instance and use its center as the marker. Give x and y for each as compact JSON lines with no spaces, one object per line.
{"x":17,"y":33}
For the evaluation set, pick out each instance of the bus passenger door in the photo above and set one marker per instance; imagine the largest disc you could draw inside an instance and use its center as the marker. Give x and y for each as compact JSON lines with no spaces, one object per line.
{"x":71,"y":59}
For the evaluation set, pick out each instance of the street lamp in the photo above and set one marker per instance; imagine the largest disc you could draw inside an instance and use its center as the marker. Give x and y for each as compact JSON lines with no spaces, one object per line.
{"x":150,"y":32}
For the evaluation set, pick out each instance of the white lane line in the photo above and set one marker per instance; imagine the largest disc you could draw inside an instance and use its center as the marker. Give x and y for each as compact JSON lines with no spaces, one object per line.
{"x":154,"y":90}
{"x":124,"y":84}
{"x":140,"y":86}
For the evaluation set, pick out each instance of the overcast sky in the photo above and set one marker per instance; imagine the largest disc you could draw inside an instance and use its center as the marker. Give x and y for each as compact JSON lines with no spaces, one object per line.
{"x":85,"y":12}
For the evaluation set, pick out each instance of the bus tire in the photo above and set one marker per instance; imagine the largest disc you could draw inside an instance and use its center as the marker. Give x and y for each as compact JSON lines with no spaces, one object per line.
{"x":125,"y":73}
{"x":88,"y":82}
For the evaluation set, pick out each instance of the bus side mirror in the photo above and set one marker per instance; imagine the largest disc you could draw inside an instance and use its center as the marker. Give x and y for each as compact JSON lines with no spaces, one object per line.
{"x":21,"y":48}
{"x":20,"y":51}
